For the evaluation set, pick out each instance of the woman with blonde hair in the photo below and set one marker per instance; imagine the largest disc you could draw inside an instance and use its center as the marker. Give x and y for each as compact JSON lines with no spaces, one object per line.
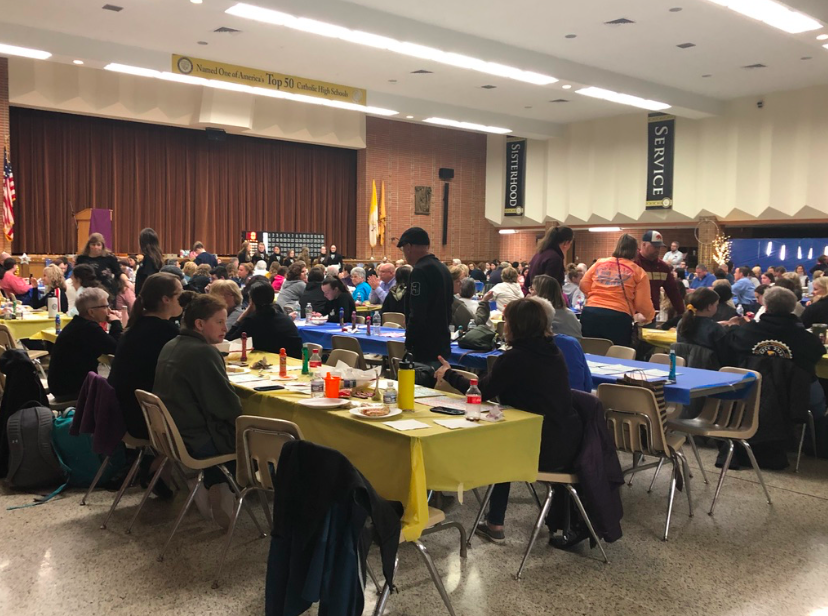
{"x":55,"y":285}
{"x":229,"y":292}
{"x":189,"y":269}
{"x":817,"y":310}
{"x":506,"y":291}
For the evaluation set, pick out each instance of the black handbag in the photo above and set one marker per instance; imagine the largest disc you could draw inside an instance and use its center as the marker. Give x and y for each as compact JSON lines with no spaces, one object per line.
{"x":479,"y":338}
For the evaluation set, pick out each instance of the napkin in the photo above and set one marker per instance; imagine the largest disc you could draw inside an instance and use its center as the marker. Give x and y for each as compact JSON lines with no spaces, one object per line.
{"x":407,"y":424}
{"x":245,"y":377}
{"x":454,"y":424}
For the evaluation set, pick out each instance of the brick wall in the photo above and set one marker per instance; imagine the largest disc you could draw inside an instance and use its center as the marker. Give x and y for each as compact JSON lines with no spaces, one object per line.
{"x":589,"y":246}
{"x":405,"y":155}
{"x":519,"y":246}
{"x":5,"y":245}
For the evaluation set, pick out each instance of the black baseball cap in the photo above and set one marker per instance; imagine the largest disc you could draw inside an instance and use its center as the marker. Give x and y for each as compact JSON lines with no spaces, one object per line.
{"x":414,"y":235}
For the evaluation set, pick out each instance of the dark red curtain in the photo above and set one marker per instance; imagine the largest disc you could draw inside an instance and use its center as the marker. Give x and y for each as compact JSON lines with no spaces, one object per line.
{"x":173,"y":180}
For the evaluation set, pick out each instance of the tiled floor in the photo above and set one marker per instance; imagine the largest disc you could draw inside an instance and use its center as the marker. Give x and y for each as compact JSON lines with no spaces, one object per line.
{"x":749,"y":559}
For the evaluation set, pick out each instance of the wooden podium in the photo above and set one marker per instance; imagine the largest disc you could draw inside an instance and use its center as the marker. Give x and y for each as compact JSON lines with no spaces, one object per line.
{"x":88,"y":221}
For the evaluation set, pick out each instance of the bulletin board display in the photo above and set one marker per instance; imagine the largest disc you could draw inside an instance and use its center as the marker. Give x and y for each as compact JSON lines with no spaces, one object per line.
{"x":286,"y":241}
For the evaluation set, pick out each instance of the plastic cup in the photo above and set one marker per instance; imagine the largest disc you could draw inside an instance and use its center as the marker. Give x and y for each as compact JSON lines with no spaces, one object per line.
{"x":332,"y":387}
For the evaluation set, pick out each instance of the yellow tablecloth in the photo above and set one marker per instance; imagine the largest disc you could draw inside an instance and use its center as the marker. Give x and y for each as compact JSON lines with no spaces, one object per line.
{"x":402,"y":466}
{"x":663,"y":339}
{"x":30,"y":328}
{"x":48,"y":334}
{"x":369,"y":308}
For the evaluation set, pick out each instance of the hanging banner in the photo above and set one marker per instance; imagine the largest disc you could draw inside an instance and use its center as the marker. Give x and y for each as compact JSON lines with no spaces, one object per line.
{"x":661,"y":131}
{"x":515,"y":176}
{"x":254,"y":77}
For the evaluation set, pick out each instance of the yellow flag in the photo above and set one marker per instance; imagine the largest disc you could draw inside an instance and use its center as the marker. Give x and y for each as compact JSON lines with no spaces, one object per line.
{"x":372,"y":216}
{"x":381,"y":227}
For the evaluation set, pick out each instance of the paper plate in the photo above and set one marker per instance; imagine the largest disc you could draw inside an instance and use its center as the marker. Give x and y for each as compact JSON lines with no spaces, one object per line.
{"x":357,"y":412}
{"x":324,"y":403}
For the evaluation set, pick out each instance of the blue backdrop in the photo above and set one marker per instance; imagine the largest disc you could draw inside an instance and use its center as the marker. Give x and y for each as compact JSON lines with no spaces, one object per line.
{"x":779,"y":251}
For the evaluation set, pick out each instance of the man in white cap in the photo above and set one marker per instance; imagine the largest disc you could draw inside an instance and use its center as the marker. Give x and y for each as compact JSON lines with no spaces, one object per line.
{"x":660,"y":273}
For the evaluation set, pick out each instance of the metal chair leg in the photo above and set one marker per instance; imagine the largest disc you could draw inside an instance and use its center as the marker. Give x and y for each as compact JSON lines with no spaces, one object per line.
{"x":480,"y":513}
{"x":181,"y":515}
{"x":373,"y":577}
{"x":636,"y":461}
{"x":147,"y":492}
{"x":230,"y":529}
{"x":655,"y":475}
{"x":435,"y":575}
{"x":812,"y":428}
{"x":686,"y":469}
{"x":722,"y":476}
{"x":95,"y":481}
{"x":585,"y":518}
{"x":235,"y":487}
{"x":801,"y":442}
{"x":443,"y":526}
{"x":671,"y":498}
{"x":749,"y":450}
{"x":534,"y":494}
{"x":126,"y":483}
{"x":386,"y":592}
{"x":698,"y":457}
{"x":547,"y":504}
{"x":266,"y":509}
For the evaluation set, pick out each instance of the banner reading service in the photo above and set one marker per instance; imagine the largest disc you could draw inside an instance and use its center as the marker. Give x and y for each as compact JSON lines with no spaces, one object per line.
{"x":515,"y":177}
{"x":208,"y":69}
{"x":661,"y":141}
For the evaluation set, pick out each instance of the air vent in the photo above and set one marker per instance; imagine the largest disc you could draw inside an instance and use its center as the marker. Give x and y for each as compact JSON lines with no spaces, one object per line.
{"x":559,"y":100}
{"x":623,"y":21}
{"x":686,"y":45}
{"x":422,"y":71}
{"x":226,"y":30}
{"x":752,"y":66}
{"x":113,"y":8}
{"x":488,"y":87}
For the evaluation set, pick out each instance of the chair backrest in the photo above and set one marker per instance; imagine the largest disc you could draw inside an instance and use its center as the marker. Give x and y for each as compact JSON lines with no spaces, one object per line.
{"x":739,"y":415}
{"x":349,"y":344}
{"x":343,"y":355}
{"x":7,"y":340}
{"x":393,"y":317}
{"x":633,"y":418}
{"x":395,"y":350}
{"x":444,"y":386}
{"x":664,"y":358}
{"x":696,"y":356}
{"x":595,"y":346}
{"x":620,"y":352}
{"x":310,"y":346}
{"x":500,"y":326}
{"x":391,"y":325}
{"x":163,"y":433}
{"x":360,"y":320}
{"x":259,"y":442}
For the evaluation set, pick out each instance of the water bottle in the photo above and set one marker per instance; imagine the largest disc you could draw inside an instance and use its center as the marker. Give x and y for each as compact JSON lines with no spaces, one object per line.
{"x":470,"y":325}
{"x":740,"y":310}
{"x":378,"y":322}
{"x":317,"y":386}
{"x":315,"y":362}
{"x":308,"y":312}
{"x":52,"y":306}
{"x":57,"y":324}
{"x":474,"y":401}
{"x":672,"y":376}
{"x":405,"y":383}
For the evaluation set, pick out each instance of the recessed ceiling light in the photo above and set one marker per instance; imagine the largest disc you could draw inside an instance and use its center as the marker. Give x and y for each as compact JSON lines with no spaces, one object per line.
{"x":567,"y":87}
{"x":469,"y":126}
{"x":686,"y":45}
{"x":623,"y":99}
{"x":312,"y":26}
{"x":77,"y":61}
{"x":528,"y":107}
{"x":604,"y":229}
{"x":409,"y":117}
{"x":773,"y":14}
{"x":196,"y":1}
{"x":822,"y":37}
{"x":488,"y":87}
{"x":826,"y":46}
{"x":12,"y":50}
{"x":507,"y":231}
{"x":237,"y":87}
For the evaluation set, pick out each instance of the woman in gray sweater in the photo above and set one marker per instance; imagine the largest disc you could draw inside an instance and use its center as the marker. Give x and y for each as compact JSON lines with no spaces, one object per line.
{"x":293,"y":287}
{"x":565,"y":321}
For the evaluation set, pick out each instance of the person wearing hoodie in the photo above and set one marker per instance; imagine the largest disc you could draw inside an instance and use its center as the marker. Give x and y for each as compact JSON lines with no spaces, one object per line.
{"x":293,"y":287}
{"x":313,"y":294}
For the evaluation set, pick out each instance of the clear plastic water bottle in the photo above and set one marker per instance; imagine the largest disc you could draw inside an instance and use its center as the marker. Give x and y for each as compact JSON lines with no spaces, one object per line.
{"x":308,"y":312}
{"x":740,"y":310}
{"x":474,"y":401}
{"x":378,"y":322}
{"x":672,"y":376}
{"x":317,"y":386}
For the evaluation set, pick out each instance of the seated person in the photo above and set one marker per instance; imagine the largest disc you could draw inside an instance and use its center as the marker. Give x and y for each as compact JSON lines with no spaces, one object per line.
{"x":191,"y":380}
{"x":530,"y":376}
{"x":699,"y":324}
{"x":294,"y":286}
{"x":467,"y":293}
{"x":397,"y":298}
{"x":505,"y":291}
{"x":564,"y":320}
{"x":269,"y":327}
{"x":149,"y":329}
{"x":54,"y":286}
{"x":81,"y":342}
{"x":313,"y":294}
{"x":13,"y":284}
{"x":817,"y":310}
{"x":229,"y":292}
{"x":338,"y":298}
{"x":792,"y":284}
{"x":460,"y":313}
{"x":725,"y":310}
{"x":362,"y":290}
{"x":279,"y":277}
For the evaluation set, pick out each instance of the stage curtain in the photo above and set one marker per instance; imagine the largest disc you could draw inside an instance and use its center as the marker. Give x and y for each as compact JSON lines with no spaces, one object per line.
{"x":173,"y":180}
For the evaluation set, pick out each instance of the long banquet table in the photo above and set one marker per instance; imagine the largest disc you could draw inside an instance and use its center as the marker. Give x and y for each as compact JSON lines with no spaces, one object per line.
{"x":402,"y":466}
{"x":31,"y":327}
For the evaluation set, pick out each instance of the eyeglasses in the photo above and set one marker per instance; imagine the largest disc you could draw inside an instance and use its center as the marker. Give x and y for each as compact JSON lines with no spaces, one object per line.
{"x":95,"y":307}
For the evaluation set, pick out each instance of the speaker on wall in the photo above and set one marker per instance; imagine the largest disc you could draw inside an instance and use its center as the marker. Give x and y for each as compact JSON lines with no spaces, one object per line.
{"x":216,"y":134}
{"x":446,"y":174}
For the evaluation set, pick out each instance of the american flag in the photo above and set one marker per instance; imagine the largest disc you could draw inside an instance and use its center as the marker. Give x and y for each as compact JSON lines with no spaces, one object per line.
{"x":8,"y":197}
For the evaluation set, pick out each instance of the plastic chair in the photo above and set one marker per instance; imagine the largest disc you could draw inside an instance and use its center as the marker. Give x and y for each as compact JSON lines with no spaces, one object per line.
{"x":444,"y":386}
{"x":337,"y":355}
{"x":350,"y":344}
{"x":167,"y":441}
{"x":734,"y":421}
{"x":360,"y":321}
{"x":391,"y":325}
{"x":396,"y":351}
{"x":634,"y":420}
{"x":664,"y":358}
{"x":7,"y":342}
{"x":393,"y":317}
{"x":259,"y":442}
{"x":436,"y":523}
{"x":808,"y":424}
{"x":595,"y":346}
{"x":311,"y":346}
{"x":131,"y":443}
{"x":620,"y":352}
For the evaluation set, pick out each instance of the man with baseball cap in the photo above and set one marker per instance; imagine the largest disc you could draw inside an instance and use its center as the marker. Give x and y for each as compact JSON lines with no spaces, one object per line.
{"x":660,"y":274}
{"x":431,"y":292}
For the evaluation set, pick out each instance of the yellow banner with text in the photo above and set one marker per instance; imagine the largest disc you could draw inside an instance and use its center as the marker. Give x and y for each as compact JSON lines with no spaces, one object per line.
{"x":208,"y":69}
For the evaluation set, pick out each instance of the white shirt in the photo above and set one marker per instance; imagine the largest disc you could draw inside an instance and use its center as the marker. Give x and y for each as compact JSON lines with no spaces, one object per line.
{"x":673,"y":258}
{"x":505,"y":292}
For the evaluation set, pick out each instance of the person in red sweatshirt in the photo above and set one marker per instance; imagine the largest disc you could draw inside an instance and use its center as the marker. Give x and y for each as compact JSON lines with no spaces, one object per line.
{"x":660,"y":273}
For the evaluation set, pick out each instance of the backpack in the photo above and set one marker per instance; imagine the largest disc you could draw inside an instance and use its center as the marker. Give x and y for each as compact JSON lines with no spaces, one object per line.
{"x":32,"y":460}
{"x":76,"y":455}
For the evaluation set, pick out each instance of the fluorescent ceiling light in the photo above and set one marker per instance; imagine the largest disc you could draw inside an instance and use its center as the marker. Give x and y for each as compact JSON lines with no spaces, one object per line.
{"x":822,"y":37}
{"x":237,"y":87}
{"x":773,"y":14}
{"x":469,"y":126}
{"x":623,"y":99}
{"x":826,"y":46}
{"x":769,"y":249}
{"x":377,"y":41}
{"x":507,"y":231}
{"x":77,"y":62}
{"x":11,"y":50}
{"x":604,"y":229}
{"x":566,"y":87}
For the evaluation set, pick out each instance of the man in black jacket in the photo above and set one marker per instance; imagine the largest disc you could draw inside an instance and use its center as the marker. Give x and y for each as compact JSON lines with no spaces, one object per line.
{"x":430,"y":295}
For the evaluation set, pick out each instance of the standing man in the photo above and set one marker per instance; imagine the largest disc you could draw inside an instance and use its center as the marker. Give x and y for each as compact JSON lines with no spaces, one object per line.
{"x":334,"y":258}
{"x":381,"y":282}
{"x":431,"y":292}
{"x":674,"y":256}
{"x":659,"y":272}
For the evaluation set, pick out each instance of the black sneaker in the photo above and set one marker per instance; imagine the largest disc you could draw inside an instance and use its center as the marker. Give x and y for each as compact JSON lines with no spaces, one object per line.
{"x":568,"y":540}
{"x":495,"y":536}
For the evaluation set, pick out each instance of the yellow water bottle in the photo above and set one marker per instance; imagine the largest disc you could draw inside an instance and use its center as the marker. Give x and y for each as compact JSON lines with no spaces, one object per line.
{"x":405,"y":383}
